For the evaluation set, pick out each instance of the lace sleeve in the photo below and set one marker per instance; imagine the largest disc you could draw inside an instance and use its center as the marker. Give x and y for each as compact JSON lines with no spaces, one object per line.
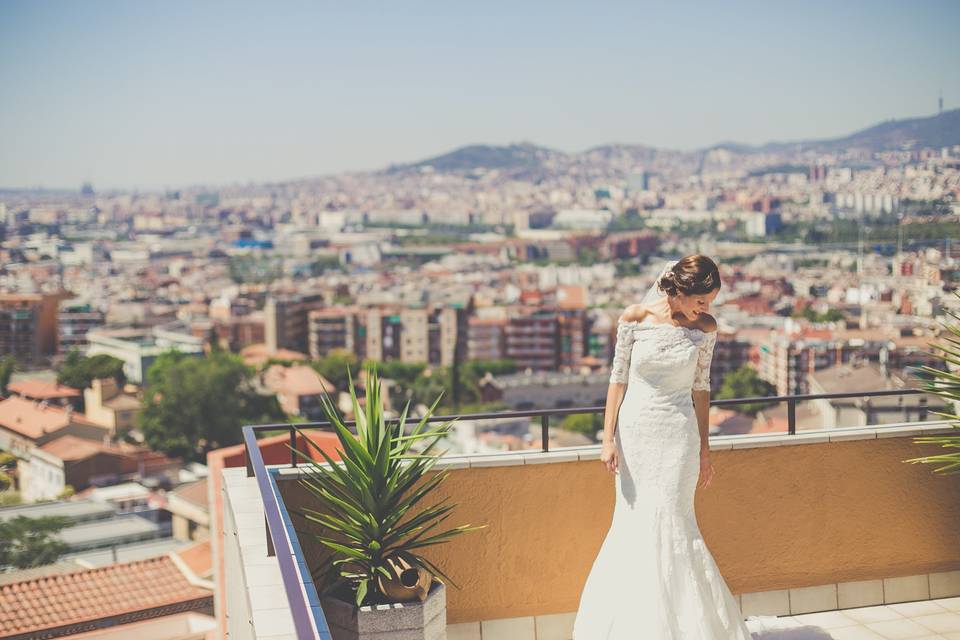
{"x":620,"y":369}
{"x":701,"y":377}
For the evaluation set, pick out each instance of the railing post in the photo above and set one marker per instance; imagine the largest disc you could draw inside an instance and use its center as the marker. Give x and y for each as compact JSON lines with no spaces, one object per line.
{"x":270,"y":550}
{"x":791,"y":416}
{"x":246,"y":456}
{"x":293,"y":447}
{"x":545,"y":433}
{"x":922,"y":413}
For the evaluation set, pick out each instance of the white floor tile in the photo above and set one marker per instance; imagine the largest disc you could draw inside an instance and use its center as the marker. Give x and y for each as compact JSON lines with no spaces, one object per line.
{"x":508,"y":629}
{"x":939,"y":622}
{"x":864,"y":615}
{"x":914,"y":609}
{"x":898,"y":629}
{"x":827,"y":619}
{"x":855,"y":633}
{"x":951,"y":604}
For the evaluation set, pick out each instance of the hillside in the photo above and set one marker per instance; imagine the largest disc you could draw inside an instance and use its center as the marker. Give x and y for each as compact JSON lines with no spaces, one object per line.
{"x":529,"y":160}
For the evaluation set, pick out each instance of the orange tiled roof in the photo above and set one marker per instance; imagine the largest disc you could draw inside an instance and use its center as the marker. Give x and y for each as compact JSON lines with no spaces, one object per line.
{"x":84,"y":596}
{"x":195,"y":492}
{"x":70,"y":448}
{"x":30,"y":420}
{"x":198,"y":558}
{"x":299,"y":380}
{"x":257,"y":354}
{"x":42,"y":389}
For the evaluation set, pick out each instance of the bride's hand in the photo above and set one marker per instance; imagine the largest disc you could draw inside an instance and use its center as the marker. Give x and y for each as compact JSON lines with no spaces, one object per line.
{"x":706,"y":470}
{"x":609,"y":456}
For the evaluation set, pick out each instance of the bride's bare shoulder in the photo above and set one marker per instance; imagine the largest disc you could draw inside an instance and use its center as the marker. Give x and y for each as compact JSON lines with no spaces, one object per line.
{"x":634,"y":313}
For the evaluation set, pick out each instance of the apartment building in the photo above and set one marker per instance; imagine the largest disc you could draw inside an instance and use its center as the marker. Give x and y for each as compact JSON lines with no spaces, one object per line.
{"x":285,"y":324}
{"x":28,"y":326}
{"x":73,"y":324}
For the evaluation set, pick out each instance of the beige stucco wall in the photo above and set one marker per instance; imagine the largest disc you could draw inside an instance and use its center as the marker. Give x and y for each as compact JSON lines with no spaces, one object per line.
{"x":776,"y":517}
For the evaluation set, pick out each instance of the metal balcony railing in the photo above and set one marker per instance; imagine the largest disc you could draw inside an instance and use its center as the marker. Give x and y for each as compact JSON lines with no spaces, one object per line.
{"x":278,"y":544}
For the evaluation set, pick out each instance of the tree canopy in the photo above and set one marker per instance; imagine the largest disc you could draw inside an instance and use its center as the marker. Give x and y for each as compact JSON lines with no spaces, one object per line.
{"x":745,"y":383}
{"x":334,"y":367}
{"x":195,"y":404}
{"x":588,"y":424}
{"x":30,"y":542}
{"x":78,"y":371}
{"x":7,"y":366}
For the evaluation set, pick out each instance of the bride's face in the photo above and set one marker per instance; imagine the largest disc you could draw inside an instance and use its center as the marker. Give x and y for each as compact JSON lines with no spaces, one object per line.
{"x":693,"y":305}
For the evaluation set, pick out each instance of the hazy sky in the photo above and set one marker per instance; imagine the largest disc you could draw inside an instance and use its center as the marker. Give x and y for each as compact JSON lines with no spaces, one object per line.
{"x":154,"y":94}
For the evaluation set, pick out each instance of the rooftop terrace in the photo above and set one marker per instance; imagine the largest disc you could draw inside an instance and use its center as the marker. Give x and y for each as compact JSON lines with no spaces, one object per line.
{"x":805,"y":523}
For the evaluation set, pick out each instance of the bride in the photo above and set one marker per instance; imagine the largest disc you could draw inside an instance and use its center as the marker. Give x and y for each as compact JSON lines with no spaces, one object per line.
{"x":654,"y":578}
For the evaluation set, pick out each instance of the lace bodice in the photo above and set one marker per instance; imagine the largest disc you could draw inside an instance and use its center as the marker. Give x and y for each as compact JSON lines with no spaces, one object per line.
{"x":663,"y":339}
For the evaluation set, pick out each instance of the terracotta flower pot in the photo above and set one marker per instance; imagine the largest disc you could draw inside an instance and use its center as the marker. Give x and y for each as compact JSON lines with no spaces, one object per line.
{"x":413,"y":583}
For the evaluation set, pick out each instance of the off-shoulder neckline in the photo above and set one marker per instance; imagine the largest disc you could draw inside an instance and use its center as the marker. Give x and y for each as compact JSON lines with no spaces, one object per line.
{"x":641,"y":323}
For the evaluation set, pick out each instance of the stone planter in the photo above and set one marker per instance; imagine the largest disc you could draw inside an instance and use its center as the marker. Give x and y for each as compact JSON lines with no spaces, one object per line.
{"x":425,"y":620}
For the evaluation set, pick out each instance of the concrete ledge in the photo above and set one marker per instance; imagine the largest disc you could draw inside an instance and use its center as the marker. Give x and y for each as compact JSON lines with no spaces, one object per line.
{"x":267,"y":609}
{"x":717,"y":443}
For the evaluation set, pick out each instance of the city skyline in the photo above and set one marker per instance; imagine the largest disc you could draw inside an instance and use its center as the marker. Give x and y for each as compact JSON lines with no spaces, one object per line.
{"x":131,"y":96}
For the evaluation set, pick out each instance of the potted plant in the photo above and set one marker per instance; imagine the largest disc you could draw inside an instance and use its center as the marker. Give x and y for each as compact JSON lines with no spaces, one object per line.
{"x":366,"y":508}
{"x":945,"y":384}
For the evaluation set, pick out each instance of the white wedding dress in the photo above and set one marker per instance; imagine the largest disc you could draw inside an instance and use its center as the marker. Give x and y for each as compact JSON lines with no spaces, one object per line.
{"x":654,"y":578}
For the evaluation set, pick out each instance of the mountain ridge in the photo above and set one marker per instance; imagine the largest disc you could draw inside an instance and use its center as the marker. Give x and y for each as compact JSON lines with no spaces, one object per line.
{"x":934,"y":131}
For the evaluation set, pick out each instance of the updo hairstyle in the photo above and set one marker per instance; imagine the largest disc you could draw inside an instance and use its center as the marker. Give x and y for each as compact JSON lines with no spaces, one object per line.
{"x":691,"y":275}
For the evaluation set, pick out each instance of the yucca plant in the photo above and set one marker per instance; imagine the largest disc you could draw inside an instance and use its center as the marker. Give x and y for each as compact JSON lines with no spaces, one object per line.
{"x":945,"y":384}
{"x":368,"y":500}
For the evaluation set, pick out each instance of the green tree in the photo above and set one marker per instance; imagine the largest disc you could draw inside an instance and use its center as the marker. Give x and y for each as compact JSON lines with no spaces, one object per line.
{"x":402,"y":373}
{"x":830,"y":315}
{"x":586,"y":423}
{"x":431,"y":382}
{"x":8,"y":462}
{"x":79,"y":371}
{"x":30,"y":542}
{"x":334,"y":367}
{"x":198,"y":404}
{"x":7,"y":366}
{"x":745,"y":383}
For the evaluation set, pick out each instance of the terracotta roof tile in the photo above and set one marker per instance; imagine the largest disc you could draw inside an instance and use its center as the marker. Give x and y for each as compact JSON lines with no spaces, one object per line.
{"x":258,"y":354}
{"x":42,"y":389}
{"x":198,"y":557}
{"x":74,"y":448}
{"x":195,"y":492}
{"x":65,"y":599}
{"x":299,"y":380}
{"x":30,"y":419}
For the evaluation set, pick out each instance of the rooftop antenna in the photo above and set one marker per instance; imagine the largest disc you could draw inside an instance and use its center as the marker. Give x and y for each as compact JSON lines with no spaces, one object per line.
{"x":940,"y":103}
